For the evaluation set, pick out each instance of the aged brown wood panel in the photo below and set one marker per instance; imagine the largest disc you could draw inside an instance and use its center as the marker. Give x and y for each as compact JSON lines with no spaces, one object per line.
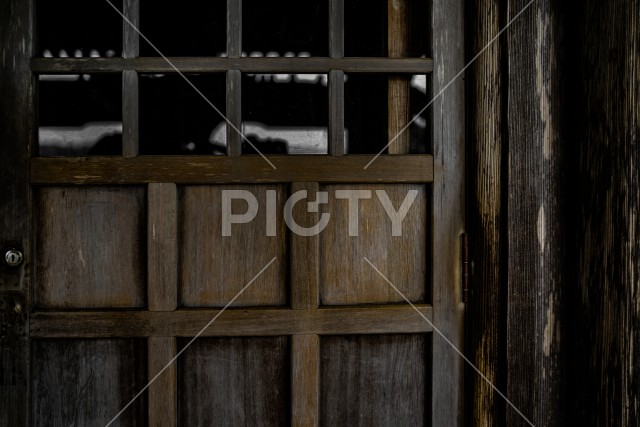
{"x":87,"y":382}
{"x":245,"y":65}
{"x":382,"y":319}
{"x":16,"y":125}
{"x":163,"y":404}
{"x":305,"y":380}
{"x":345,"y":277}
{"x":484,"y":328}
{"x":378,"y":380}
{"x":162,"y":247}
{"x":605,"y":136}
{"x":90,"y":247}
{"x":536,"y":239}
{"x":448,"y":219}
{"x":213,"y":267}
{"x":234,"y":381}
{"x":220,"y":169}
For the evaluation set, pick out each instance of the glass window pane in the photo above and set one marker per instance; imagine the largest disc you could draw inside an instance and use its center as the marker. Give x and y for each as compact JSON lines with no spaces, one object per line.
{"x":367,"y":114}
{"x":77,"y":28}
{"x":175,"y":119}
{"x":80,"y":114}
{"x":286,"y":26}
{"x":187,"y":28}
{"x":285,"y":113}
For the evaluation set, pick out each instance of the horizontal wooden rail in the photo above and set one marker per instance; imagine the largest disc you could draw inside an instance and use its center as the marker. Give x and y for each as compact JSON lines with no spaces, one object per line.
{"x":223,"y":169}
{"x":247,"y":65}
{"x":232,"y":322}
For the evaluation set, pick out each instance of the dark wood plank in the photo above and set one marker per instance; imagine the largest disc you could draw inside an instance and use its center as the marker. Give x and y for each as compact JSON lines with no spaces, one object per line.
{"x":162,"y":247}
{"x":163,"y":403}
{"x":222,"y":169}
{"x":336,"y":113}
{"x":484,"y":329}
{"x":130,"y":114}
{"x":87,"y":382}
{"x":130,"y":37}
{"x":214,"y":267}
{"x":336,"y":28}
{"x":379,"y":319}
{"x":16,"y":139}
{"x":345,"y":277}
{"x":448,"y":209}
{"x":305,"y":251}
{"x":536,"y":235}
{"x":601,"y":347}
{"x":305,"y":380}
{"x":234,"y":28}
{"x":245,"y":65}
{"x":234,"y":381}
{"x":398,"y":86}
{"x":89,"y":247}
{"x":234,"y":113}
{"x":374,"y":380}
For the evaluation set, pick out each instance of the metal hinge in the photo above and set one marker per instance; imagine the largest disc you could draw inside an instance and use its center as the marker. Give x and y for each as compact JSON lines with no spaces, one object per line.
{"x":466,"y":268}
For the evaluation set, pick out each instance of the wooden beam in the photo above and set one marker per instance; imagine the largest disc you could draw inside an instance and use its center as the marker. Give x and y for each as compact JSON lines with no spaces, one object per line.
{"x":448,"y":216}
{"x":336,"y":113}
{"x":398,"y":86}
{"x":245,"y":65}
{"x":234,"y":113}
{"x":130,"y":37}
{"x":163,"y":406}
{"x":130,"y":114}
{"x":222,"y":169}
{"x":305,"y":380}
{"x":232,"y":322}
{"x":305,"y":252}
{"x":162,"y":247}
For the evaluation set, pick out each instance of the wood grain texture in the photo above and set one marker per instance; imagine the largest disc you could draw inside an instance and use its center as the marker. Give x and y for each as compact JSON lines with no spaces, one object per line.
{"x":234,"y":28}
{"x":245,"y":65}
{"x":374,"y":380}
{"x":162,"y":247}
{"x":130,"y":37}
{"x":345,"y":277}
{"x":234,"y":113}
{"x":336,"y":28}
{"x":222,"y":169}
{"x":213,"y":267}
{"x":398,"y":86}
{"x":130,"y":114}
{"x":163,"y":403}
{"x":305,"y":380}
{"x":605,"y":133}
{"x":87,"y":382}
{"x":484,"y":329}
{"x":90,"y":247}
{"x":337,"y":146}
{"x":16,"y":139}
{"x":234,"y":381}
{"x":536,"y":235}
{"x":383,"y":319}
{"x":448,"y":209}
{"x":304,"y":258}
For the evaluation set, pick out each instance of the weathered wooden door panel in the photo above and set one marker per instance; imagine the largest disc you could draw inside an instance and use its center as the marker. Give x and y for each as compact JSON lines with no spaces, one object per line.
{"x":130,"y":254}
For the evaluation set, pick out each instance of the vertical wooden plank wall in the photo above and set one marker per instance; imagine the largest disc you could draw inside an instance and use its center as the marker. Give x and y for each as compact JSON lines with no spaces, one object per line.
{"x":484,"y":324}
{"x":535,"y":239}
{"x":605,"y":135}
{"x":16,"y":130}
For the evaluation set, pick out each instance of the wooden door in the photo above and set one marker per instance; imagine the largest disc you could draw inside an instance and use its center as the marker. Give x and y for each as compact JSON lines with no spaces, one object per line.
{"x":132,"y":306}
